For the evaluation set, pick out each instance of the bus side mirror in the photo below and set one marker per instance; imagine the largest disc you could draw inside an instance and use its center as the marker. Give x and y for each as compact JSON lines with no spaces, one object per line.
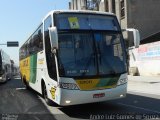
{"x":53,"y":38}
{"x":136,"y":36}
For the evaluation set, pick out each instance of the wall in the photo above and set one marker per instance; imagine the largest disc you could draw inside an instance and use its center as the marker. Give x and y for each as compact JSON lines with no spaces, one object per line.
{"x":144,"y":15}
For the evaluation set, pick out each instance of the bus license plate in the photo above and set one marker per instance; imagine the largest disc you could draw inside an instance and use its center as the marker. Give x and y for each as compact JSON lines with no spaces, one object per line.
{"x":98,"y":95}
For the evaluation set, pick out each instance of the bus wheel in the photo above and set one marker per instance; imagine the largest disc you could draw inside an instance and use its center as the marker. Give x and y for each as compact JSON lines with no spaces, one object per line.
{"x":25,"y":83}
{"x":48,"y":101}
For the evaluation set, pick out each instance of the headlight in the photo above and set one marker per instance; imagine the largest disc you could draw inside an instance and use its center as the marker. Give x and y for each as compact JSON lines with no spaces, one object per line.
{"x":70,"y":86}
{"x":122,"y":81}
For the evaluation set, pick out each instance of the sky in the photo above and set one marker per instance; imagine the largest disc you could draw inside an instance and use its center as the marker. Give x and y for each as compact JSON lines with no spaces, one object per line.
{"x":19,"y":18}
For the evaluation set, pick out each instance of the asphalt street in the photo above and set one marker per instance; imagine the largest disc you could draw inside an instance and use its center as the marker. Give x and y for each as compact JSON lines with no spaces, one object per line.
{"x":18,"y":103}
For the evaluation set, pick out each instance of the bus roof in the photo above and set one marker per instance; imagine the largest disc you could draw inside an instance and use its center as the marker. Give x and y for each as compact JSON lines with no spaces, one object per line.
{"x":70,"y":11}
{"x":78,"y":11}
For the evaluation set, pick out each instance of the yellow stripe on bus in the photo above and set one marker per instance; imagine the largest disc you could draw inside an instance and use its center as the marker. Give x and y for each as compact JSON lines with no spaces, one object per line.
{"x":87,"y":84}
{"x":93,"y":84}
{"x":25,"y":68}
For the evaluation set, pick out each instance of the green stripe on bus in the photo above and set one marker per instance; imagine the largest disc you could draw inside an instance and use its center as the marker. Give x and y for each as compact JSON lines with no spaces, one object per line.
{"x":33,"y":68}
{"x":107,"y":81}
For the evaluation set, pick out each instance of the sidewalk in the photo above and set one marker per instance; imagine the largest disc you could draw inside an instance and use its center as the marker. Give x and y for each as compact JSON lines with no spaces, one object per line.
{"x":148,"y":79}
{"x":144,"y":84}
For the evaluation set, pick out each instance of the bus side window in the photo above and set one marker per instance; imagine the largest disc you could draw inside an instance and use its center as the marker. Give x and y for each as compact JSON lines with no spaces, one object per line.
{"x":26,"y":50}
{"x":31,"y":46}
{"x":35,"y":42}
{"x":40,"y":38}
{"x":50,"y":59}
{"x":21,"y":53}
{"x":47,"y":24}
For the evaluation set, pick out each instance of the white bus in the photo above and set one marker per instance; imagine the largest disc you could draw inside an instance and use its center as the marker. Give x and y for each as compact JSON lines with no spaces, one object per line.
{"x":5,"y":67}
{"x":76,"y":57}
{"x":15,"y":69}
{"x":145,"y":60}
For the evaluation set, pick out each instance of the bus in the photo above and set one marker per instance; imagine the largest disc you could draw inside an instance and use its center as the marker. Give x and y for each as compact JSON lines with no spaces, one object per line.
{"x":144,"y":60}
{"x":5,"y":67}
{"x":14,"y":69}
{"x":76,"y":57}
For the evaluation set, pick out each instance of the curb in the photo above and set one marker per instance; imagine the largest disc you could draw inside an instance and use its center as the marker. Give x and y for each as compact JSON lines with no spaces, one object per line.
{"x":148,"y":79}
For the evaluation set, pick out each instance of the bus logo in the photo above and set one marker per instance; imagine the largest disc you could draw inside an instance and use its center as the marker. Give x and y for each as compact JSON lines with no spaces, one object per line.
{"x":53,"y":90}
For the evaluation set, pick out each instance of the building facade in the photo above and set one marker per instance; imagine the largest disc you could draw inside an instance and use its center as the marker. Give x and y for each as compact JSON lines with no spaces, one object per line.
{"x":143,"y":15}
{"x":78,"y":5}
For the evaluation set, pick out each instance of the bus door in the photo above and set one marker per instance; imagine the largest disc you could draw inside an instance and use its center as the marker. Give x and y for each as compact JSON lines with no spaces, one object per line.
{"x":50,"y":57}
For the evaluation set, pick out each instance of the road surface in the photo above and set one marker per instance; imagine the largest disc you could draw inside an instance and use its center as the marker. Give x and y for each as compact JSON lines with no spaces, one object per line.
{"x":17,"y":103}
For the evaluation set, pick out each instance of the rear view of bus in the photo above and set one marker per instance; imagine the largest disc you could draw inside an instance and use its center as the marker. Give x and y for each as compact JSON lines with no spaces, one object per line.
{"x":5,"y":67}
{"x":91,"y":58}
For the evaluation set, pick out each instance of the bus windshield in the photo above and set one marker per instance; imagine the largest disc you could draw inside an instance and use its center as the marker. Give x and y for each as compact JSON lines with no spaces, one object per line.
{"x":90,"y":54}
{"x":68,"y":21}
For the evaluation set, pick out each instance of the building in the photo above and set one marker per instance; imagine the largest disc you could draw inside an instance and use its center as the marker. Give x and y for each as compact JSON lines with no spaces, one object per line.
{"x":143,"y":15}
{"x":78,"y":4}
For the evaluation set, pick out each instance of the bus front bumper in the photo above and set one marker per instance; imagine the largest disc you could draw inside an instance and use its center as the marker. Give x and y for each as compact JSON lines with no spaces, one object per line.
{"x":73,"y":97}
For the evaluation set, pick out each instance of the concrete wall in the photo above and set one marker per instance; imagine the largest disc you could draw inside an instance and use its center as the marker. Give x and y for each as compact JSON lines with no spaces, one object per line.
{"x":144,"y":15}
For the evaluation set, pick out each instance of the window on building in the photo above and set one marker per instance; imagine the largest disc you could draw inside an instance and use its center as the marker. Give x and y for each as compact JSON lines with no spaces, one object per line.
{"x":113,"y":6}
{"x":70,"y":6}
{"x":122,"y":4}
{"x":106,"y":6}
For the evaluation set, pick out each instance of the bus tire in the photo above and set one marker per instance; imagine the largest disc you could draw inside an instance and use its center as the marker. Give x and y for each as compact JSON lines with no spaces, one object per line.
{"x":25,"y":83}
{"x":45,"y":96}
